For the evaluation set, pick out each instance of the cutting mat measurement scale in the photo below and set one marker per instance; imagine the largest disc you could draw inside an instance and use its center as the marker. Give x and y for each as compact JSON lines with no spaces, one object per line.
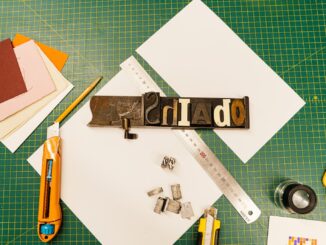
{"x":201,"y":152}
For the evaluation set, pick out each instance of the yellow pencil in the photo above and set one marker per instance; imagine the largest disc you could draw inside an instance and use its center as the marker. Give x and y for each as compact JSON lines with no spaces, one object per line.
{"x":78,"y":100}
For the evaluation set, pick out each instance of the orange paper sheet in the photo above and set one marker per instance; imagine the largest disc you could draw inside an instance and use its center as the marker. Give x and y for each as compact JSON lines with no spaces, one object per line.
{"x":57,"y":57}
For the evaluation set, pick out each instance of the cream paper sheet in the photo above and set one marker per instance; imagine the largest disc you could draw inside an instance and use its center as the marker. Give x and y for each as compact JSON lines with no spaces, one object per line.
{"x":14,"y":121}
{"x":105,"y":177}
{"x":198,"y":55}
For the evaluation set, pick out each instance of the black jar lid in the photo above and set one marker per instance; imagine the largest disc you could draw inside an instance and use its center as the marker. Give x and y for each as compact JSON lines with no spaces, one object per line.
{"x":292,"y":190}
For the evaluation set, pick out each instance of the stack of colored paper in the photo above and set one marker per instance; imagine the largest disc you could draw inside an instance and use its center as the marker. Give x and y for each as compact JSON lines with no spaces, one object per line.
{"x":31,"y":86}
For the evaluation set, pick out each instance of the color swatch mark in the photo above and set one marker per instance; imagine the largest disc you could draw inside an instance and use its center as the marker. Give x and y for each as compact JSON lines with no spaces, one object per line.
{"x":301,"y":241}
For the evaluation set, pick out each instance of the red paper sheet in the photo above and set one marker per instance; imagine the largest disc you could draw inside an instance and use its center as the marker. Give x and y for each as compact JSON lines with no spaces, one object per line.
{"x":11,"y":79}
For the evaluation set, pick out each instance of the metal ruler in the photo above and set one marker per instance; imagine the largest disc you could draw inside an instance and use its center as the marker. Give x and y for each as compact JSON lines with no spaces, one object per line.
{"x":200,"y":151}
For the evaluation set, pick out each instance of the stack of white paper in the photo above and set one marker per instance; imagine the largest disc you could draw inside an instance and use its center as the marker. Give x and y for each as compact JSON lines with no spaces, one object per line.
{"x":15,"y":129}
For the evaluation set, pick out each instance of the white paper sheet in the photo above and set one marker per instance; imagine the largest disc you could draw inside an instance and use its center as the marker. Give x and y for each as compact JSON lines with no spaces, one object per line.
{"x":47,"y":104}
{"x":105,"y":177}
{"x":13,"y":122}
{"x":198,"y":55}
{"x":283,"y":230}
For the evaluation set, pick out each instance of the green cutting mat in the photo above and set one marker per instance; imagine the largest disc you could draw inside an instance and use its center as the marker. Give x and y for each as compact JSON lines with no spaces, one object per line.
{"x":98,"y":35}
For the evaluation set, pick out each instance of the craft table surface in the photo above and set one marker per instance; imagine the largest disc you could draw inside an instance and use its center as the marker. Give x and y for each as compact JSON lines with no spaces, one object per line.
{"x":100,"y":34}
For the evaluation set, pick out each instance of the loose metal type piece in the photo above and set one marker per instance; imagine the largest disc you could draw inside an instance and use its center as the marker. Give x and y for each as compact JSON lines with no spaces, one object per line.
{"x":176,"y":192}
{"x":155,"y":191}
{"x":168,"y":162}
{"x":173,"y":206}
{"x":186,"y":210}
{"x":167,"y":204}
{"x":160,"y":205}
{"x":153,"y":110}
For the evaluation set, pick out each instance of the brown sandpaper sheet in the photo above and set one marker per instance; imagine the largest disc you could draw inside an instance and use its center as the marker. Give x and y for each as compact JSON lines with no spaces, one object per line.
{"x":11,"y":79}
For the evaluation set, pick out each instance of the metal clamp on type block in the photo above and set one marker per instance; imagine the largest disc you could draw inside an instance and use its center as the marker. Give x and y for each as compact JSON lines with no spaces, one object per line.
{"x":126,"y":127}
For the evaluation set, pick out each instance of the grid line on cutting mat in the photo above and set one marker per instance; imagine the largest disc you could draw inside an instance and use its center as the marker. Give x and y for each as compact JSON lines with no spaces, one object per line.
{"x":98,"y":35}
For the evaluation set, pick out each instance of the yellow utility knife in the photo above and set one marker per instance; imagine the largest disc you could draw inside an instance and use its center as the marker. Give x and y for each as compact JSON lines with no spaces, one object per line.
{"x":49,"y":212}
{"x":209,"y":228}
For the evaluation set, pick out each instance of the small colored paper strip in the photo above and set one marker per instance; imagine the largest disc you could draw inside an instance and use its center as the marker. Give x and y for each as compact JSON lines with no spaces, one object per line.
{"x":301,"y":241}
{"x":57,"y":57}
